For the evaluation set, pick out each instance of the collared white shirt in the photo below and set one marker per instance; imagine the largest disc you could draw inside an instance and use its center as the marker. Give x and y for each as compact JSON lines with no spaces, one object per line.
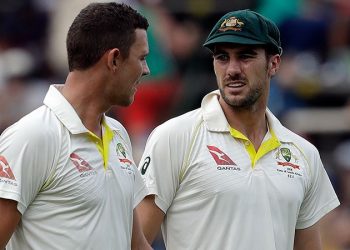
{"x":219,"y":194}
{"x":74,"y":190}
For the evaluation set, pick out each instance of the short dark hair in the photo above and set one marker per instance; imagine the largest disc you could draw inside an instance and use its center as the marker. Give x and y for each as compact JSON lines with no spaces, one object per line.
{"x":98,"y":28}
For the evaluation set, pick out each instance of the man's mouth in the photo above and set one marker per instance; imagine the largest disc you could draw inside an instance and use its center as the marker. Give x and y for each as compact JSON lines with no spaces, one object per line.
{"x":236,"y":84}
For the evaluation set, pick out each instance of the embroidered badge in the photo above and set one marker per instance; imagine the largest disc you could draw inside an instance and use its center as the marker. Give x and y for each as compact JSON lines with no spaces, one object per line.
{"x":285,"y":152}
{"x":289,"y":164}
{"x":125,"y":163}
{"x":231,"y":23}
{"x":120,"y":148}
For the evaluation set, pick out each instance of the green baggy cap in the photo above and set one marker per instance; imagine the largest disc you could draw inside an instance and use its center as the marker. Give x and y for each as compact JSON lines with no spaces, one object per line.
{"x":245,"y":27}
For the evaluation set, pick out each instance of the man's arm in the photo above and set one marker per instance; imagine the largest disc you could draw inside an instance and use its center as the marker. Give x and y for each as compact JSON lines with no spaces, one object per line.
{"x":138,"y":240}
{"x":151,"y":217}
{"x":308,"y":238}
{"x":9,"y":219}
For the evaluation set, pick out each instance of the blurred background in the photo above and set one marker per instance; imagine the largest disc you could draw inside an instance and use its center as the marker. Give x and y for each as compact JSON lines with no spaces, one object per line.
{"x":310,"y":95}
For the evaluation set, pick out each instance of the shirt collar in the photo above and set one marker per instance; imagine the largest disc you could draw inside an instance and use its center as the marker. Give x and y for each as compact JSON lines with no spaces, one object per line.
{"x":282,"y":133}
{"x":213,"y":114}
{"x":64,"y":111}
{"x":215,"y":119}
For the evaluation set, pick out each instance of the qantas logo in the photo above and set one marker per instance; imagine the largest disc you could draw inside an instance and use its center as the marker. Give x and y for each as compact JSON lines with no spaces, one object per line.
{"x":82,"y":166}
{"x":220,"y":157}
{"x":5,"y":170}
{"x":80,"y":163}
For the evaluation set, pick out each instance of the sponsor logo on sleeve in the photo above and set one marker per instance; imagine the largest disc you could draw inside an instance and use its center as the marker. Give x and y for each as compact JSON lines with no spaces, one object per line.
{"x":6,"y":174}
{"x":145,"y":165}
{"x":5,"y":170}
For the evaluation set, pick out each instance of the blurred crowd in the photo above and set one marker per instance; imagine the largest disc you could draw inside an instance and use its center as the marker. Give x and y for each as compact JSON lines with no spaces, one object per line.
{"x":311,"y":94}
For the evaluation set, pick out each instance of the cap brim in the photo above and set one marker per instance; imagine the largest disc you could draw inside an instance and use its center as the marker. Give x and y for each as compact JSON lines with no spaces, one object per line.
{"x":231,"y":39}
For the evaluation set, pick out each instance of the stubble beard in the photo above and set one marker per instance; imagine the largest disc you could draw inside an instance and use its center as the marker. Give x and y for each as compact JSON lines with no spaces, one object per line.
{"x":124,"y":101}
{"x":246,"y":102}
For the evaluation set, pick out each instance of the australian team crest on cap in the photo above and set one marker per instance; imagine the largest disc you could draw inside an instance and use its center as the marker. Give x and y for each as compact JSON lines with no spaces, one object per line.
{"x":231,"y":23}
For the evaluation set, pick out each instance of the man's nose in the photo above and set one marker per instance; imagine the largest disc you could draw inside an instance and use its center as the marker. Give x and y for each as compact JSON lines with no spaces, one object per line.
{"x":234,"y":67}
{"x":146,"y":70}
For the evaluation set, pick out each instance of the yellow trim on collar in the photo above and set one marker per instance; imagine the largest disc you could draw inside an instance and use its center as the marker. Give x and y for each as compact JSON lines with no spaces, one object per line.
{"x":103,"y":145}
{"x":265,"y":147}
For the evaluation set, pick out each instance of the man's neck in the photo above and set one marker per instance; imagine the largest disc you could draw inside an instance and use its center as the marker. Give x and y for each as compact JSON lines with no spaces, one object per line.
{"x":81,"y":91}
{"x":250,"y":122}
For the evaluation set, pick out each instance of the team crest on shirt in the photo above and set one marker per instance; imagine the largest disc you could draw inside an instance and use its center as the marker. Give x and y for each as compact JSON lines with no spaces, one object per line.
{"x":6,"y":174}
{"x":125,"y":163}
{"x":82,"y":166}
{"x":223,"y":161}
{"x":120,"y":149}
{"x":287,"y":162}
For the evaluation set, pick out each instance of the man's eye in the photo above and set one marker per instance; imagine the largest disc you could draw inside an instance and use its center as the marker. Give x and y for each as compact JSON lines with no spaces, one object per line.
{"x":246,"y":56}
{"x":243,"y":56}
{"x":221,"y":57}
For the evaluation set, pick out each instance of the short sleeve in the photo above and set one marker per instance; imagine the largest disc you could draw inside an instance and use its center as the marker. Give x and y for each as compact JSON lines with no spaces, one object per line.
{"x":26,"y":158}
{"x":140,"y":189}
{"x":160,"y":165}
{"x":320,"y":198}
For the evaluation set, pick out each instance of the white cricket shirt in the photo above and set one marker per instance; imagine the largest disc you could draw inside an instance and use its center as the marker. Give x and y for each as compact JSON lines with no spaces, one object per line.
{"x":218,"y":193}
{"x":74,"y":190}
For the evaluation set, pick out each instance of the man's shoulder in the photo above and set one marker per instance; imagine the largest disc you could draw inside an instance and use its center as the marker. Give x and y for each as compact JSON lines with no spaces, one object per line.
{"x":285,"y":135}
{"x":298,"y":140}
{"x":177,"y":131}
{"x":182,"y":123}
{"x":38,"y":123}
{"x":174,"y":135}
{"x":114,"y":124}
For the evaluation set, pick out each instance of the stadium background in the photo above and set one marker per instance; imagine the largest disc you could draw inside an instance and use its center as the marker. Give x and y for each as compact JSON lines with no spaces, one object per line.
{"x":311,"y":94}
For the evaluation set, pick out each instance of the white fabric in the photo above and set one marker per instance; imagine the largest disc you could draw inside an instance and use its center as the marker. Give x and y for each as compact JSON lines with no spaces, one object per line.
{"x":232,"y":205}
{"x":62,"y":207}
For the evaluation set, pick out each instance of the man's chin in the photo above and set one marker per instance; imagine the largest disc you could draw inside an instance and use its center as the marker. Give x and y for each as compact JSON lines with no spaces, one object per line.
{"x":126,"y":103}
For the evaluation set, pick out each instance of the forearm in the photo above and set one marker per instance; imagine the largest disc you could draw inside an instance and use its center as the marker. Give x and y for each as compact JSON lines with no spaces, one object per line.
{"x":151,"y":217}
{"x":8,"y":220}
{"x":308,"y":238}
{"x":138,"y":241}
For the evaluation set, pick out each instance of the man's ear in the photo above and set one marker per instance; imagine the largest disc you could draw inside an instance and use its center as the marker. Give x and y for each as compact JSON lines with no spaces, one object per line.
{"x":274,"y":64}
{"x":113,"y":58}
